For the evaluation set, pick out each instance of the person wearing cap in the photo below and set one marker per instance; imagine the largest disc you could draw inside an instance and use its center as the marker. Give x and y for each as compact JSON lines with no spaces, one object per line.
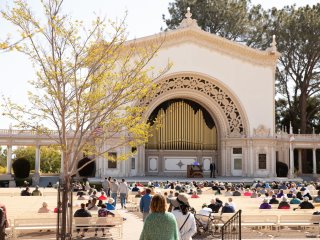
{"x":284,"y":203}
{"x":185,"y":219}
{"x":36,"y":192}
{"x":159,"y":225}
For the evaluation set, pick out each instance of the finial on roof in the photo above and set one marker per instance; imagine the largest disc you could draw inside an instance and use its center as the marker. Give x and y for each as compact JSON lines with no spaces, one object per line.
{"x":273,"y":46}
{"x":188,"y":21}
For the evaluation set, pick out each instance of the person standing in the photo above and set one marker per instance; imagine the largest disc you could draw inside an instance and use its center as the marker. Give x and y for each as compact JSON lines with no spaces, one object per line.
{"x":106,"y":186}
{"x":123,"y":190}
{"x":114,"y":188}
{"x":159,"y":225}
{"x":212,"y":170}
{"x":185,"y":219}
{"x":145,"y":204}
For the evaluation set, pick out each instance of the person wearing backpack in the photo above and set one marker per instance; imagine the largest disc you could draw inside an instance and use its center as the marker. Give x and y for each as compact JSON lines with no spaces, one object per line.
{"x":185,"y":219}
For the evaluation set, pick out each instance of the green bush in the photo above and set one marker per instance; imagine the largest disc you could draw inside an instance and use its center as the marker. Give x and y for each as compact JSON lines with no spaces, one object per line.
{"x":21,"y":168}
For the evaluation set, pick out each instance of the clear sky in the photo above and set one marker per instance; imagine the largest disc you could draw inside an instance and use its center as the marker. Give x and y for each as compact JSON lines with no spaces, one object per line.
{"x":144,"y":18}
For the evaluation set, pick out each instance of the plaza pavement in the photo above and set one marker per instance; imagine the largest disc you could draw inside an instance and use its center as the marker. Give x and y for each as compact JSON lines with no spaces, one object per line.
{"x":27,"y":207}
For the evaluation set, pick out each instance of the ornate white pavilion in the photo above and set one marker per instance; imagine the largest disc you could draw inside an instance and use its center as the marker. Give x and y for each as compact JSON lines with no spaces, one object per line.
{"x":216,"y":104}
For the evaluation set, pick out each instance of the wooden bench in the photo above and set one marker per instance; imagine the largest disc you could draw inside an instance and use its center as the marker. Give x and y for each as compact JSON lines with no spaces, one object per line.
{"x":266,"y":222}
{"x":113,"y":225}
{"x":33,"y":224}
{"x":298,"y":220}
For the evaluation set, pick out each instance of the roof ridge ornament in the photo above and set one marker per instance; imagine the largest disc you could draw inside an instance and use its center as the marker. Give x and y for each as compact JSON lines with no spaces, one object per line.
{"x":273,"y":46}
{"x":188,"y":22}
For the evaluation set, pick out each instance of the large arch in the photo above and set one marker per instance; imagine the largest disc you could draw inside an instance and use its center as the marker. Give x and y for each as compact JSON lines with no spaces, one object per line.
{"x":214,"y":96}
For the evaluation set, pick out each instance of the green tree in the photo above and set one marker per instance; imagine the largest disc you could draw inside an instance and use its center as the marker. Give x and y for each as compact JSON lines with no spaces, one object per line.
{"x":3,"y":157}
{"x":298,"y":71}
{"x":226,"y":18}
{"x":49,"y":157}
{"x":88,"y":86}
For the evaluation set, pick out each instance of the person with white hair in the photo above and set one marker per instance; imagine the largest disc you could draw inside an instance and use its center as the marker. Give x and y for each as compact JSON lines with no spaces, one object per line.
{"x":44,"y":208}
{"x":305,"y":204}
{"x":110,"y":205}
{"x":284,"y":203}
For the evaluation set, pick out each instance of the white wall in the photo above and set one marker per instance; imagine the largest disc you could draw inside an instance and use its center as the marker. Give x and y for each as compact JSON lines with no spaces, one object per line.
{"x":252,"y":84}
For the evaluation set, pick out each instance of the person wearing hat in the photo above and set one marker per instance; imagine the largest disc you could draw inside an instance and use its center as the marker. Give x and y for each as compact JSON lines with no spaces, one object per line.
{"x":284,"y":203}
{"x":36,"y":192}
{"x":185,"y":220}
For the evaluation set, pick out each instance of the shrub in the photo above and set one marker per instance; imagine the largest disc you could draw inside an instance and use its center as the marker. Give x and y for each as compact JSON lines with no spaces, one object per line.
{"x":89,"y":170}
{"x":21,"y":168}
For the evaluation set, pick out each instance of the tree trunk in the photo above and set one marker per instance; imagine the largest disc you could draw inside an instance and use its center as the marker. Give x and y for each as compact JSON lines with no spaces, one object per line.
{"x":303,"y":112}
{"x":66,"y":209}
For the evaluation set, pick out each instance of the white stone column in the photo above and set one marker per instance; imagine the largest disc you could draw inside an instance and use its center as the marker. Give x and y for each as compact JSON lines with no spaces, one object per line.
{"x":300,"y":160}
{"x":314,"y":160}
{"x":37,"y":162}
{"x":9,"y":159}
{"x":251,"y":158}
{"x":291,"y":168}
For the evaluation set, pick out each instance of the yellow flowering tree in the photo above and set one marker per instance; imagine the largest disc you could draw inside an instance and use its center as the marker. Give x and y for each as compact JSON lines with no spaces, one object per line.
{"x":88,"y":83}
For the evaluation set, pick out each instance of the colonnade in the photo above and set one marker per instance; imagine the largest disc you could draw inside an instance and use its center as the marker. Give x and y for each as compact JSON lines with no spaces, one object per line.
{"x":291,"y":167}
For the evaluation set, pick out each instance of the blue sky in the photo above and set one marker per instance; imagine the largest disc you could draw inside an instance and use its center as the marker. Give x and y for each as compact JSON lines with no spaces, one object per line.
{"x":144,"y":18}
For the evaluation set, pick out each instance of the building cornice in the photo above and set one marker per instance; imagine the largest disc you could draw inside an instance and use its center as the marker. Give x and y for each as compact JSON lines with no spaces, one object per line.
{"x":168,"y":39}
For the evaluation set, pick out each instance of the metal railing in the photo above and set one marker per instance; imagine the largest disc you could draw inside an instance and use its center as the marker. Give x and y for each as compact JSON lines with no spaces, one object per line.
{"x":232,"y":228}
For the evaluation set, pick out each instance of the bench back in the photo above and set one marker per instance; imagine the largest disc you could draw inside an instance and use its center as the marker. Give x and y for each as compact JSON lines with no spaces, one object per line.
{"x":26,"y":222}
{"x":299,"y":218}
{"x":259,"y":219}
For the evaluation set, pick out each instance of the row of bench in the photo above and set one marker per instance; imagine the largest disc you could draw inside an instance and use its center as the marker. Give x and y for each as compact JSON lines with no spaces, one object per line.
{"x":113,"y":225}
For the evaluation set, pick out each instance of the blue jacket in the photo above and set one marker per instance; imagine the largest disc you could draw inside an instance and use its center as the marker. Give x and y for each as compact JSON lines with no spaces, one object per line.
{"x":145,"y":203}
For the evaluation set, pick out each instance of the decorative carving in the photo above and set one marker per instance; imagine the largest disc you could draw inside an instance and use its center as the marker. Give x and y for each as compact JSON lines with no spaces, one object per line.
{"x":188,"y":21}
{"x":261,"y":131}
{"x":223,"y":100}
{"x":180,"y":164}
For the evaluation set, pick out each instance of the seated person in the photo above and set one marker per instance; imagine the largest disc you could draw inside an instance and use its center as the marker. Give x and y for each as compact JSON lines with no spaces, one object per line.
{"x":36,"y":192}
{"x":102,"y":196}
{"x":203,"y":215}
{"x":227,"y":208}
{"x":265,"y":204}
{"x":135,"y":188}
{"x":199,"y":191}
{"x":280,"y":194}
{"x":236,"y":192}
{"x":44,"y":208}
{"x":317,"y":198}
{"x":26,"y":192}
{"x":93,"y":205}
{"x":81,"y":196}
{"x":110,"y":205}
{"x":214,"y":206}
{"x":49,"y":185}
{"x":228,"y":193}
{"x":305,"y":204}
{"x":218,"y":192}
{"x":194,"y":195}
{"x":247,"y":193}
{"x":290,"y":194}
{"x":231,"y":203}
{"x":284,"y":203}
{"x":274,"y":200}
{"x":254,"y":193}
{"x":82,"y":212}
{"x":103,"y":212}
{"x":295,"y":200}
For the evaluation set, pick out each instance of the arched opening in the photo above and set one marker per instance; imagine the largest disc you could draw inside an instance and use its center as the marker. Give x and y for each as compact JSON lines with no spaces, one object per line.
{"x":182,"y":124}
{"x":182,"y":132}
